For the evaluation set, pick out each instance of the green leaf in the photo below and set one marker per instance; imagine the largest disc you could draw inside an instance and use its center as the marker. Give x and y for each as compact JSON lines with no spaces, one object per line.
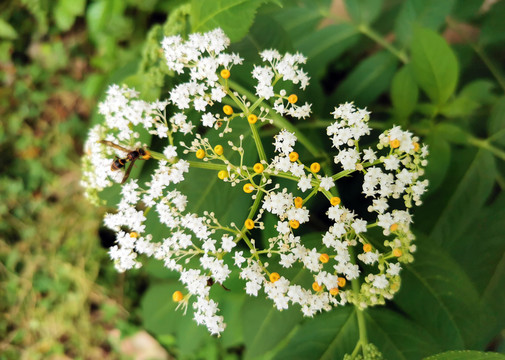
{"x":466,"y":200}
{"x":299,"y":21}
{"x":325,"y":45}
{"x":328,"y":336}
{"x":367,"y":81}
{"x":493,"y":27}
{"x":496,"y":123}
{"x":363,"y":11}
{"x":467,"y":355}
{"x":404,"y":92}
{"x":235,"y":17}
{"x":160,"y":317}
{"x":452,"y":133}
{"x":466,"y":10}
{"x":66,"y":11}
{"x":7,"y":31}
{"x":427,"y":13}
{"x":265,"y":326}
{"x":473,"y":96}
{"x":437,"y":294}
{"x":484,"y":236}
{"x":434,"y":65}
{"x":397,"y":337}
{"x":438,"y":160}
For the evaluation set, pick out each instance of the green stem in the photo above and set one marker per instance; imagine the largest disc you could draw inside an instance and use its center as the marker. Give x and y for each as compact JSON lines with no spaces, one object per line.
{"x":484,"y":144}
{"x":372,"y":34}
{"x":259,"y":144}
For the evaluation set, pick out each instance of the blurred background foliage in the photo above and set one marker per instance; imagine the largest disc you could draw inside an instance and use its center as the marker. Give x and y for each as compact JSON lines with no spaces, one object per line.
{"x":435,"y":67}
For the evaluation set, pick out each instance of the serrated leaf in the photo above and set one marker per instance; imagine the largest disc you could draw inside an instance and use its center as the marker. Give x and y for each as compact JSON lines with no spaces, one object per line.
{"x":404,"y":92}
{"x":466,"y":200}
{"x":467,"y":355}
{"x":437,"y":294}
{"x":427,"y":13}
{"x":434,"y":65}
{"x":367,"y":81}
{"x":397,"y":337}
{"x":327,"y":336}
{"x":235,"y":17}
{"x":265,"y":326}
{"x":363,"y":11}
{"x":7,"y":31}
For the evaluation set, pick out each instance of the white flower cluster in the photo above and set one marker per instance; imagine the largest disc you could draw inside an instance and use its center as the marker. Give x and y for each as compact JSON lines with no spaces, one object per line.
{"x":204,"y":251}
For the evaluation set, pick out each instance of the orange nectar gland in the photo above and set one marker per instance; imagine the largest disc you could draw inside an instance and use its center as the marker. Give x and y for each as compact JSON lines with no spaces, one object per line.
{"x":397,"y":252}
{"x":200,"y":154}
{"x":133,"y":234}
{"x":227,"y":109}
{"x":292,"y":98}
{"x":295,"y":224}
{"x":274,"y":277}
{"x":335,"y":200}
{"x":367,"y":248}
{"x":416,"y":146}
{"x":315,"y":167}
{"x":225,"y":73}
{"x":316,"y":287}
{"x":293,"y":156}
{"x":177,"y":296}
{"x":258,"y":168}
{"x":324,"y":258}
{"x":334,"y":291}
{"x":395,"y":144}
{"x":248,"y":188}
{"x":218,"y":149}
{"x":298,"y":202}
{"x":223,"y":174}
{"x":252,"y":119}
{"x":249,"y":224}
{"x":341,"y":282}
{"x":393,"y":227}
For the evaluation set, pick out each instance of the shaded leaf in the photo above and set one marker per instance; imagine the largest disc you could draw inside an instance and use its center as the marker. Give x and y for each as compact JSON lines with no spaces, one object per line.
{"x":493,"y":27}
{"x":467,"y":355}
{"x":7,"y":31}
{"x":438,"y":160}
{"x":465,"y":201}
{"x":397,"y":337}
{"x":363,"y":11}
{"x":367,"y":81}
{"x":496,"y":123}
{"x":329,"y":335}
{"x":473,"y":96}
{"x":438,"y":295}
{"x":434,"y":65}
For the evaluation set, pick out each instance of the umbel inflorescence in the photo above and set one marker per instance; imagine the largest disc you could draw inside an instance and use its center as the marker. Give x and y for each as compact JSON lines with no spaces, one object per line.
{"x":204,"y":250}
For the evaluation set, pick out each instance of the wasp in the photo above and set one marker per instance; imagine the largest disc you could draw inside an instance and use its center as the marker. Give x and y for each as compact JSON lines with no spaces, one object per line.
{"x":131,"y":156}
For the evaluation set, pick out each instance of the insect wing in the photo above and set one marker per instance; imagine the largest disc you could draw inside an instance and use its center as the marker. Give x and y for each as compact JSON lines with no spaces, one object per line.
{"x":125,"y":177}
{"x":116,"y":146}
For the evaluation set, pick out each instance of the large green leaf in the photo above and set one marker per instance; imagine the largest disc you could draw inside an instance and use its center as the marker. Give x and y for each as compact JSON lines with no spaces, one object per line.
{"x":485,"y":236}
{"x":438,"y":295}
{"x":427,"y":13}
{"x":465,"y":201}
{"x":367,"y":81}
{"x":404,"y":92}
{"x":299,"y":21}
{"x":434,"y":65}
{"x":233,"y":16}
{"x":473,"y":96}
{"x":467,"y":355}
{"x":265,"y":326}
{"x":397,"y":337}
{"x":363,"y":11}
{"x":327,"y":336}
{"x":493,"y":27}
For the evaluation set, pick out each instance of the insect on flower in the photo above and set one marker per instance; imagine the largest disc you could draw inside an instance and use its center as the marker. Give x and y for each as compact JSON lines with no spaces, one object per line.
{"x":131,"y":156}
